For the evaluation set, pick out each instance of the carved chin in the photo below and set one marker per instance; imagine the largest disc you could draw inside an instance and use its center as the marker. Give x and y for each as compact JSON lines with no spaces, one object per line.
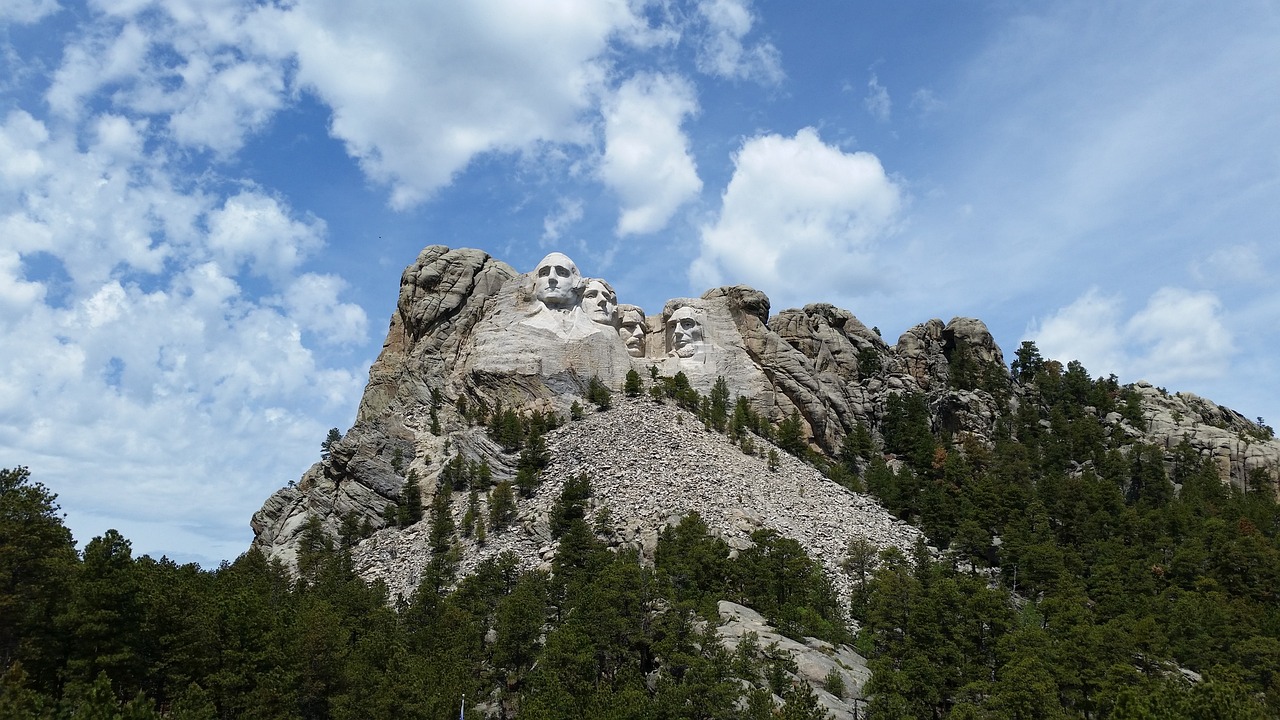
{"x":635,"y":350}
{"x":686,"y":351}
{"x":557,"y":301}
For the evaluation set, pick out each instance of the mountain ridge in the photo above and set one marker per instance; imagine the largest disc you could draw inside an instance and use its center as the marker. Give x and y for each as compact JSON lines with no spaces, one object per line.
{"x":468,"y":334}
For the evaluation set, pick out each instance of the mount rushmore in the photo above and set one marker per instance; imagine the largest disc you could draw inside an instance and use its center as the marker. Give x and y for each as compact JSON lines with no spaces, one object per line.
{"x":471,"y":332}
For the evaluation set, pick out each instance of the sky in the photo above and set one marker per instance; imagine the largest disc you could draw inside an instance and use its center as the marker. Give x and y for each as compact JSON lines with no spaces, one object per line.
{"x":206,"y":205}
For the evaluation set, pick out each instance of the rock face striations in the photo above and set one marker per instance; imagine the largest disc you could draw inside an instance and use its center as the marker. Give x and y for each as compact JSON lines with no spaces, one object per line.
{"x":471,"y":338}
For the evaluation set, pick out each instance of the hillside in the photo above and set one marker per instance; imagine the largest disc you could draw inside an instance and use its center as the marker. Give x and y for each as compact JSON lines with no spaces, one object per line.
{"x":711,"y":512}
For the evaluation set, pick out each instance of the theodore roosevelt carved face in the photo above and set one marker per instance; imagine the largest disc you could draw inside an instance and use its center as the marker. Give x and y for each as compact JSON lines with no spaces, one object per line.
{"x":556,"y":282}
{"x":632,"y":329}
{"x":600,"y":302}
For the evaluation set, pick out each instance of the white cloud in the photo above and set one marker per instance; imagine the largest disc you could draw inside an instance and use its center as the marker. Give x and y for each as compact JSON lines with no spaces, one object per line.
{"x":254,"y":230}
{"x":926,"y":102}
{"x":26,"y":11}
{"x":154,"y":367}
{"x":1180,"y":335}
{"x":1088,"y":330}
{"x":211,"y":73}
{"x":17,"y":295}
{"x":721,"y":52}
{"x":1238,"y":264}
{"x":799,"y":219}
{"x":646,"y":158}
{"x":568,"y":211}
{"x":418,"y":90}
{"x":21,"y":137}
{"x":312,"y":302}
{"x":877,"y":101}
{"x":1183,"y":336}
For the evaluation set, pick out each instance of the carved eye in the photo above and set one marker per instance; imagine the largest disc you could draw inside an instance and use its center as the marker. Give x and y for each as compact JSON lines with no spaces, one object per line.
{"x":562,"y":271}
{"x":544,"y":271}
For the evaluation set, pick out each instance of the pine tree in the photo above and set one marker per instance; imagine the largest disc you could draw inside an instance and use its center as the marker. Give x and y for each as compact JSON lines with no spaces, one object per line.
{"x":326,"y":447}
{"x":442,"y":527}
{"x":632,"y":386}
{"x":502,"y":506}
{"x":599,"y":395}
{"x":718,"y":410}
{"x":410,"y":505}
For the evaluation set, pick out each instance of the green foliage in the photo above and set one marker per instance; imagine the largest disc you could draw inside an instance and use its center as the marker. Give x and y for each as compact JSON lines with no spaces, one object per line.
{"x":409,"y":506}
{"x":1028,"y":362}
{"x":327,"y":445}
{"x":632,"y":387}
{"x":37,"y":562}
{"x":906,"y":429}
{"x":442,"y":527}
{"x":502,"y":506}
{"x":599,"y":395}
{"x":791,"y":435}
{"x":571,"y":505}
{"x":678,"y":389}
{"x":869,"y":364}
{"x":718,"y":405}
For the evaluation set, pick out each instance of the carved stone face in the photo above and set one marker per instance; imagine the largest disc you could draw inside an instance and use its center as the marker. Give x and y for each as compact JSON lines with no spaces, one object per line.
{"x":632,"y":329}
{"x":556,"y":280}
{"x":686,"y":332}
{"x":600,"y":302}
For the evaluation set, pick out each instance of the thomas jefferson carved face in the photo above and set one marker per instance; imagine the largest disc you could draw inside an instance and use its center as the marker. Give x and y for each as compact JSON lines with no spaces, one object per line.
{"x":600,"y":302}
{"x":686,"y":332}
{"x":556,"y":281}
{"x":632,"y":329}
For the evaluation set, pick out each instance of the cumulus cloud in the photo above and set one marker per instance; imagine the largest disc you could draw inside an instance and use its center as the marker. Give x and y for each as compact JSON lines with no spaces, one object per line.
{"x":1088,"y":330}
{"x":418,"y":90}
{"x":255,"y":230}
{"x":646,"y":159}
{"x":154,"y":366}
{"x":798,"y":218}
{"x":312,"y":302}
{"x":210,"y":72}
{"x":721,"y":51}
{"x":1179,"y":335}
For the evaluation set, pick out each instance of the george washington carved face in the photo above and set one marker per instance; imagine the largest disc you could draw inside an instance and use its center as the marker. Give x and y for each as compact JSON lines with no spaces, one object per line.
{"x":556,"y":282}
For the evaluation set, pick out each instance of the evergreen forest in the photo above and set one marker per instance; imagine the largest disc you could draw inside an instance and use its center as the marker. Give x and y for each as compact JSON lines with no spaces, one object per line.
{"x":1079,"y":575}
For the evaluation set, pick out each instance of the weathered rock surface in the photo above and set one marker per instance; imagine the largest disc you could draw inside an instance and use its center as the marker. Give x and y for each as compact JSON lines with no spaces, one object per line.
{"x":469,"y":331}
{"x":815,"y":659}
{"x":1237,"y":446}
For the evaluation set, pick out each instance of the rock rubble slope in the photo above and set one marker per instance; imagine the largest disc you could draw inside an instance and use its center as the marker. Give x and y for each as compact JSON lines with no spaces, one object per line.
{"x":650,"y":465}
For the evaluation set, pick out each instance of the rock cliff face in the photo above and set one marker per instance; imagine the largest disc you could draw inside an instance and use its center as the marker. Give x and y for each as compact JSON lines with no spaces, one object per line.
{"x":470,"y":334}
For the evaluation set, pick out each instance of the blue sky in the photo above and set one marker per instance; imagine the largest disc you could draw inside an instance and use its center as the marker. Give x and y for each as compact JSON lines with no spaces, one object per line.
{"x":205,"y":205}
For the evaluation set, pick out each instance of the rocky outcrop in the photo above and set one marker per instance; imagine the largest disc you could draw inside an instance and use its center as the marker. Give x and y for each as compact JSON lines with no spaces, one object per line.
{"x":1241,"y":450}
{"x":471,"y":333}
{"x":814,"y":659}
